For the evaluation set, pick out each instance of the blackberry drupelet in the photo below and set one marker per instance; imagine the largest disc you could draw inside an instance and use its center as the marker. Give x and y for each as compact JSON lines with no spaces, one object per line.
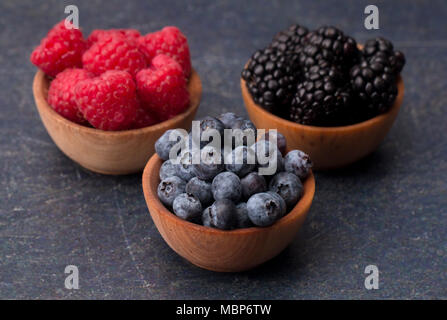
{"x":291,"y":39}
{"x":322,"y":99}
{"x":271,"y":77}
{"x":374,"y":87}
{"x":384,"y":48}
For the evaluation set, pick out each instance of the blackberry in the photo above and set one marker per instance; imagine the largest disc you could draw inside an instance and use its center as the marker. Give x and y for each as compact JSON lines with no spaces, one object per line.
{"x":323,"y":98}
{"x":291,"y":39}
{"x":381,"y":47}
{"x":374,"y":86}
{"x":334,"y":46}
{"x":271,"y":77}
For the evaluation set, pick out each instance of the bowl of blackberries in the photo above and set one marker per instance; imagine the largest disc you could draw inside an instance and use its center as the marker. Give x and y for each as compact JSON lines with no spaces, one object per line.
{"x":331,"y":97}
{"x":226,"y":196}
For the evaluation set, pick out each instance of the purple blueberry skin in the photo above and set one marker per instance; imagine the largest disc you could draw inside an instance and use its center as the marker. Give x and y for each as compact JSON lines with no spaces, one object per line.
{"x":208,"y":123}
{"x":208,"y":170}
{"x":201,"y":189}
{"x":288,"y":186}
{"x":221,"y":215}
{"x":185,"y":169}
{"x":244,"y":124}
{"x":281,"y":202}
{"x":243,"y":221}
{"x":264,"y":147}
{"x":163,"y":145}
{"x":281,"y":141}
{"x":187,"y":207}
{"x":252,"y":183}
{"x":169,"y":189}
{"x":226,"y":185}
{"x":228,"y":119}
{"x":264,"y":209}
{"x":298,"y":163}
{"x":241,"y":168}
{"x":168,"y":169}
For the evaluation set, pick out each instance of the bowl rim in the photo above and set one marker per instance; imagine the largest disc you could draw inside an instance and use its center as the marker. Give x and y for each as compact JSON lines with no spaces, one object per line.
{"x":41,"y":102}
{"x":366,"y":123}
{"x":151,"y":197}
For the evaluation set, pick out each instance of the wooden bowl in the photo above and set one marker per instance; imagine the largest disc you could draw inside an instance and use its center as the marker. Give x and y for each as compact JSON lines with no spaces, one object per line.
{"x":107,"y":152}
{"x":328,"y":147}
{"x":219,"y":250}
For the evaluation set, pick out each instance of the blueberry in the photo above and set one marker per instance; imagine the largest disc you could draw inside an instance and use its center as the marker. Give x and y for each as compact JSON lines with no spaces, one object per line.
{"x":241,"y":161}
{"x":264,"y":209}
{"x":168,"y":169}
{"x":206,"y":125}
{"x":169,"y":189}
{"x":228,"y":119}
{"x":252,"y":183}
{"x":269,"y":157}
{"x":243,"y":221}
{"x":221,"y":215}
{"x":201,"y":189}
{"x":281,"y":202}
{"x":288,"y":186}
{"x":184,"y":168}
{"x":163,"y":145}
{"x":187,"y":206}
{"x":280,"y":140}
{"x":244,"y":125}
{"x":298,"y":163}
{"x":226,"y":185}
{"x":210,"y":165}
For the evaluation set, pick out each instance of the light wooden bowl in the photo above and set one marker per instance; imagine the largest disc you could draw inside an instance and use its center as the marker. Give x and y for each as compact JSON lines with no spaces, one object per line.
{"x":219,"y":250}
{"x":107,"y":152}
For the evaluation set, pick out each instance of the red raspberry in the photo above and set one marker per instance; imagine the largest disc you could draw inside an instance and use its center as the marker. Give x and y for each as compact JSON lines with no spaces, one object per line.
{"x":162,"y":88}
{"x":108,"y":102}
{"x":113,"y":53}
{"x":62,"y":48}
{"x":61,"y":95}
{"x":169,"y":41}
{"x":131,"y":35}
{"x":144,"y":119}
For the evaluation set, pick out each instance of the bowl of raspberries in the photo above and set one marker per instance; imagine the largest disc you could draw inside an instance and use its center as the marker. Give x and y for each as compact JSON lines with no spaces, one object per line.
{"x":226,"y":196}
{"x":107,"y":98}
{"x":331,"y":97}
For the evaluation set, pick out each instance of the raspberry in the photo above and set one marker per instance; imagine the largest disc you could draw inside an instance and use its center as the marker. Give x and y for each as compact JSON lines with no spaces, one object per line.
{"x":113,"y":53}
{"x":131,"y":35}
{"x":144,"y":119}
{"x":108,"y":102}
{"x":62,"y":48}
{"x":162,"y":88}
{"x":169,"y":41}
{"x":61,"y":95}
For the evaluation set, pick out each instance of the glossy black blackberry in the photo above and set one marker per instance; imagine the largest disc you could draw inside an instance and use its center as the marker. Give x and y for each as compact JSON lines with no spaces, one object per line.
{"x":374,"y":86}
{"x":334,"y":46}
{"x":271,"y":77}
{"x":291,"y":39}
{"x":322,"y":99}
{"x":384,"y":48}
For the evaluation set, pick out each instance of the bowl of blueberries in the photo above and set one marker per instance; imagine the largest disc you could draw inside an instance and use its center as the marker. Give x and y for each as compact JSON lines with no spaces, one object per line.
{"x":226,"y":196}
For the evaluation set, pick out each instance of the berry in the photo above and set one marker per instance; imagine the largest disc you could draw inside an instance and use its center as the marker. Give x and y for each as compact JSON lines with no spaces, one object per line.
{"x":291,"y":39}
{"x":288,"y":186}
{"x":220,"y":215}
{"x":144,"y":119}
{"x":62,"y":48}
{"x":187,"y":206}
{"x":108,"y":102}
{"x":169,"y":189}
{"x":268,"y":156}
{"x":276,"y":137}
{"x":240,"y":161}
{"x":264,"y":209}
{"x":208,"y":127}
{"x":131,"y":35}
{"x":384,"y":48}
{"x":242,"y":219}
{"x":164,"y":144}
{"x":210,"y":165}
{"x":281,"y":202}
{"x":226,"y":185}
{"x":168,"y":169}
{"x":169,"y":41}
{"x":322,"y":99}
{"x":271,"y":77}
{"x":251,"y":184}
{"x":298,"y":163}
{"x":185,"y":169}
{"x":374,"y":86}
{"x":228,"y":119}
{"x":113,"y":53}
{"x":162,"y":88}
{"x":201,"y":189}
{"x":61,"y":94}
{"x":249,"y":132}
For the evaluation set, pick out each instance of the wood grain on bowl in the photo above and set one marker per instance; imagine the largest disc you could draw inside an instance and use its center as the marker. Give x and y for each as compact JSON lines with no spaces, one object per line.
{"x":218,"y":250}
{"x":107,"y":152}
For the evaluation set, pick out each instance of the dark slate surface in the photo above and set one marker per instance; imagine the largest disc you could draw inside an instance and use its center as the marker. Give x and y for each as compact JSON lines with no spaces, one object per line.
{"x":389,"y":209}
